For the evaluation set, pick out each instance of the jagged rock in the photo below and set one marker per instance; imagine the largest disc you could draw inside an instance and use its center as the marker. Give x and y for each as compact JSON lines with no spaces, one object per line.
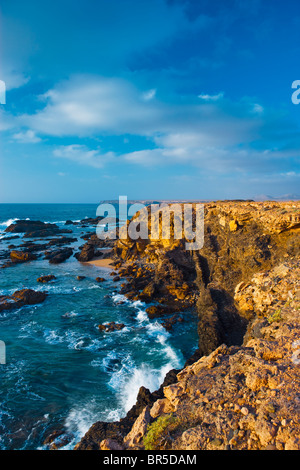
{"x":58,"y":256}
{"x":161,"y":407}
{"x":241,"y":389}
{"x":86,"y":254}
{"x":47,"y":278}
{"x":21,"y":256}
{"x":21,"y":298}
{"x":110,"y":444}
{"x":134,"y":438}
{"x":33,"y":229}
{"x":112,"y":326}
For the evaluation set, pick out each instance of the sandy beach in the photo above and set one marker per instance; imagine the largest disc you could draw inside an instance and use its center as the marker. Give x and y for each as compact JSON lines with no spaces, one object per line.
{"x":101,"y":263}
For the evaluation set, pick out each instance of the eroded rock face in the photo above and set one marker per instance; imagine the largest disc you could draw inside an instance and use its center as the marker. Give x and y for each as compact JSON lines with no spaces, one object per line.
{"x":260,"y":236}
{"x":245,"y":397}
{"x":243,"y":392}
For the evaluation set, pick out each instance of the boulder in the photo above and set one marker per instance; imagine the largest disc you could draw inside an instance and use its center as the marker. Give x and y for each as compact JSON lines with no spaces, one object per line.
{"x":112,"y":326}
{"x":21,"y":298}
{"x":87,"y":253}
{"x":134,"y":438}
{"x":33,"y":229}
{"x":58,"y":256}
{"x":47,"y":278}
{"x":22,"y":256}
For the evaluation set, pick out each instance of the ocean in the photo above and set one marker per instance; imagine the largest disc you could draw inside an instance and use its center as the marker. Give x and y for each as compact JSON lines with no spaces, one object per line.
{"x":62,"y":373}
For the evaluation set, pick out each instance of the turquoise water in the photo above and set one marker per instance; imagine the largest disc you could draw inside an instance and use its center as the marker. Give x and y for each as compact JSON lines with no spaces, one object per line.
{"x":61,"y":372}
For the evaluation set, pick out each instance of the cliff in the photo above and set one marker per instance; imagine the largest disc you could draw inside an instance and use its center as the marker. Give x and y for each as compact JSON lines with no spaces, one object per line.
{"x":241,"y":389}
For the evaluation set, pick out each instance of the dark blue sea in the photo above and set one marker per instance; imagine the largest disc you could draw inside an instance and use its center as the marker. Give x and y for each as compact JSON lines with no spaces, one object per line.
{"x":62,"y":373}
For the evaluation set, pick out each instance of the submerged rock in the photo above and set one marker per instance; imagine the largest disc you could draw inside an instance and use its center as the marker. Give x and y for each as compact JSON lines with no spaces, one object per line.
{"x":112,"y":326}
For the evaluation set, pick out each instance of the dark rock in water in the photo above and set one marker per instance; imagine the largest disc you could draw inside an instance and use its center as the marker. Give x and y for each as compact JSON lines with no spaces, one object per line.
{"x":21,"y":298}
{"x":29,"y":246}
{"x":14,"y":237}
{"x":34,"y":229}
{"x":57,"y":439}
{"x":62,"y":241}
{"x":21,"y":256}
{"x":96,"y":220}
{"x":47,"y":278}
{"x":80,"y":278}
{"x":58,"y":256}
{"x":170,"y":322}
{"x":23,"y":226}
{"x":70,"y":222}
{"x":112,"y":326}
{"x":116,"y":278}
{"x":45,"y":233}
{"x":159,"y":310}
{"x":92,"y":220}
{"x":100,"y":279}
{"x":86,"y":254}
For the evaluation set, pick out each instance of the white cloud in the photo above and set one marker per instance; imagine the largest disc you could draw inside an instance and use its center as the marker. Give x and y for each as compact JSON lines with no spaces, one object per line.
{"x":217,"y":97}
{"x":28,"y":137}
{"x":214,"y":132}
{"x":149,"y":95}
{"x":84,"y":156}
{"x":87,"y":105}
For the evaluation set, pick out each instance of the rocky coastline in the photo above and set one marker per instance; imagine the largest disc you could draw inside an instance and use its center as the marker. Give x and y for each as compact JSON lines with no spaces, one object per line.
{"x":241,"y":388}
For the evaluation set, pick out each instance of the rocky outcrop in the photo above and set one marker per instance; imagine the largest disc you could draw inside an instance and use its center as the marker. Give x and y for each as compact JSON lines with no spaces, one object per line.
{"x":111,"y":326}
{"x":87,"y":253}
{"x":240,"y":390}
{"x":92,"y":248}
{"x":59,"y":256}
{"x":116,"y":431}
{"x":34,"y":229}
{"x":21,"y":298}
{"x":45,"y":279}
{"x":17,"y":256}
{"x":244,"y":397}
{"x":162,"y":271}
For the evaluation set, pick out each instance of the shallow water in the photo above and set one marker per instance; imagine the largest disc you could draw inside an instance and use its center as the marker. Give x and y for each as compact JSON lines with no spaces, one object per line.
{"x":61,"y":372}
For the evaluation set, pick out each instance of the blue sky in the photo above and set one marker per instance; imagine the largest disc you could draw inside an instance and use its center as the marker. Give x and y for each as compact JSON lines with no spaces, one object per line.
{"x":160,"y":99}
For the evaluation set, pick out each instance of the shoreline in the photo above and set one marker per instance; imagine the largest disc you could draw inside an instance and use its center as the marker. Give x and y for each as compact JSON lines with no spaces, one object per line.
{"x":105,"y":263}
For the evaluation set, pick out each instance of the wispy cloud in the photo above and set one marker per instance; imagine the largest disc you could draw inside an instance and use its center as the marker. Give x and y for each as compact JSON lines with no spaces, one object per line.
{"x":27,"y":137}
{"x":206,"y":97}
{"x":209,"y":131}
{"x":84,"y":156}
